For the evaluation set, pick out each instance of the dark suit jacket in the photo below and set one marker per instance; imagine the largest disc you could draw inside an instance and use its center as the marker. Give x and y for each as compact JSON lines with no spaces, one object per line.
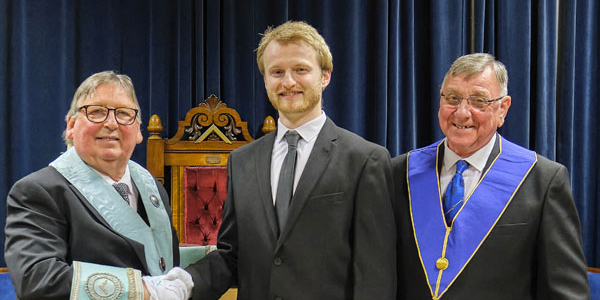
{"x":533,"y":252}
{"x":339,"y":240}
{"x":50,"y":224}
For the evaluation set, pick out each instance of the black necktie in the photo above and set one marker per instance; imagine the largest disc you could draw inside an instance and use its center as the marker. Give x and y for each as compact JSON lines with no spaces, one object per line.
{"x":123,"y":190}
{"x":285,"y":186}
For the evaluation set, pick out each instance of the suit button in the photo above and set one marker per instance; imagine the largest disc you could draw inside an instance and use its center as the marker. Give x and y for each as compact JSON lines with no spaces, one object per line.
{"x":278,"y":298}
{"x":277,"y":262}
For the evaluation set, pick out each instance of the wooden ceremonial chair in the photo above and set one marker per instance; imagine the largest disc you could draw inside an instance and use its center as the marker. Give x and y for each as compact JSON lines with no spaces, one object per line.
{"x":193,"y":167}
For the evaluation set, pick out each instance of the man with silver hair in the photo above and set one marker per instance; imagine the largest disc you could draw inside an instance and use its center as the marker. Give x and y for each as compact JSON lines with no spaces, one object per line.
{"x":93,"y":223}
{"x":479,"y":217}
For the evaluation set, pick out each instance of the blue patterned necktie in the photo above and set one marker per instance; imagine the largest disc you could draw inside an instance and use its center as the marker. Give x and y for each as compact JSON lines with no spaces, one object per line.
{"x":123,"y":190}
{"x":455,"y":192}
{"x":286,"y":179}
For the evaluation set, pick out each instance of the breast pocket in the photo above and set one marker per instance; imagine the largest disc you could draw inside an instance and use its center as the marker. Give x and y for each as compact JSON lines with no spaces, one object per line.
{"x":326,"y":199}
{"x":510,"y":229}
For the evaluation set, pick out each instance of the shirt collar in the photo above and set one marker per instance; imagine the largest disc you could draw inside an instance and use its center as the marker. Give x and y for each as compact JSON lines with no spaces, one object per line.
{"x":307,"y":131}
{"x":126,"y":178}
{"x":477,"y":160}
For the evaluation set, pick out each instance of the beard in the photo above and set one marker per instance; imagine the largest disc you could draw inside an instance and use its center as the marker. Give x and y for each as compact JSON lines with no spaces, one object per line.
{"x":311,"y":97}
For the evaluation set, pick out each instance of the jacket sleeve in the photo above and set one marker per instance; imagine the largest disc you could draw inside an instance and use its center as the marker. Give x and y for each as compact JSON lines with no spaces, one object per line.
{"x":561,"y":271}
{"x":36,"y":242}
{"x":40,"y":239}
{"x":374,"y":252}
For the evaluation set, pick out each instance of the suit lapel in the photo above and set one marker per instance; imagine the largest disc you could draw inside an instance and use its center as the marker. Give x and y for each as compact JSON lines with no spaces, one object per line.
{"x":262,"y":155}
{"x":137,"y":247}
{"x":315,"y":166}
{"x":493,"y":154}
{"x":90,"y":207}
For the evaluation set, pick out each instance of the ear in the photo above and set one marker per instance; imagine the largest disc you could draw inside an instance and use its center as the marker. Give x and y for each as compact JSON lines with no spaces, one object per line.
{"x":139,"y":137}
{"x":503,"y":110}
{"x":70,"y":126}
{"x":325,"y":78}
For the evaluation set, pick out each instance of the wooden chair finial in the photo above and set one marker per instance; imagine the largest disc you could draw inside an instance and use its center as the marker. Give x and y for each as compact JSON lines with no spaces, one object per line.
{"x":268,"y":125}
{"x":154,"y":127}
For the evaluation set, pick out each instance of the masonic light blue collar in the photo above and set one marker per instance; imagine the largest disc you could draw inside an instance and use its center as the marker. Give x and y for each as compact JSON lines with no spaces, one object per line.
{"x":157,"y":239}
{"x":445,"y":250}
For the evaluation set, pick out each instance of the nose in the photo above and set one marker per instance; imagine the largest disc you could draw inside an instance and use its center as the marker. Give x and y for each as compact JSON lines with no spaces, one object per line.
{"x":463,"y":108}
{"x":288,"y":81}
{"x":111,"y":121}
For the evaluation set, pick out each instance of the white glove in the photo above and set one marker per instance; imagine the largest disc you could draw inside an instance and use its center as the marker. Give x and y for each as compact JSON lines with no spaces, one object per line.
{"x":177,"y":284}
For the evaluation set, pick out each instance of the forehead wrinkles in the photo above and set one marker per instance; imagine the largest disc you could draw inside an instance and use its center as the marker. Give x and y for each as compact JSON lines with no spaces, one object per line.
{"x":110,"y":94}
{"x":473,"y":91}
{"x":482,"y":84}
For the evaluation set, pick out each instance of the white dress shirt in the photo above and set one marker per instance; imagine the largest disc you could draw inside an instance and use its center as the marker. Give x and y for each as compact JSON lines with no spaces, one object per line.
{"x":308,"y":135}
{"x":472,"y":174}
{"x":126,"y":179}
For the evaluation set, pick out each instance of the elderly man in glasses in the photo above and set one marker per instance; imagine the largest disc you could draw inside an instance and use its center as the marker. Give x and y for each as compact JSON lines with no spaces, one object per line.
{"x":93,"y":223}
{"x":479,"y":217}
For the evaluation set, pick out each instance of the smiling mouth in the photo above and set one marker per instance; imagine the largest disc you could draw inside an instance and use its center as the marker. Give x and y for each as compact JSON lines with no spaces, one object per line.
{"x":289,"y":93}
{"x":462,"y":127}
{"x":108,"y":138}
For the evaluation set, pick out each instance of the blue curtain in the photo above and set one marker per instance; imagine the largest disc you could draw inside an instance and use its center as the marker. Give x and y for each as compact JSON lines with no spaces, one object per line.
{"x":523,"y":36}
{"x":578,"y":88}
{"x":389,"y":59}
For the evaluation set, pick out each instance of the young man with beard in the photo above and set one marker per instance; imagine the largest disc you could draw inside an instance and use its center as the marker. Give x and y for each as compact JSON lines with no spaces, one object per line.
{"x":311,"y":220}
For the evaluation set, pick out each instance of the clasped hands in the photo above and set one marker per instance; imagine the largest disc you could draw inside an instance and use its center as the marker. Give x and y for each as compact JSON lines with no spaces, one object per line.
{"x":177,"y":284}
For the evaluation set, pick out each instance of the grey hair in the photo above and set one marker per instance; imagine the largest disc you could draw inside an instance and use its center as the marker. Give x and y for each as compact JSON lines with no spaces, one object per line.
{"x":476,"y":63}
{"x":88,"y":88}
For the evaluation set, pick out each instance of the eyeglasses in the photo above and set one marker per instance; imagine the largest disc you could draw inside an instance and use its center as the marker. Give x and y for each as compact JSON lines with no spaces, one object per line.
{"x":99,"y":114}
{"x":478,"y":102}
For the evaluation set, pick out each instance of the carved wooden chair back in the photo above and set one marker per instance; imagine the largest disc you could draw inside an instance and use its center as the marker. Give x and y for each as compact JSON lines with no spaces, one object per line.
{"x":193,"y":165}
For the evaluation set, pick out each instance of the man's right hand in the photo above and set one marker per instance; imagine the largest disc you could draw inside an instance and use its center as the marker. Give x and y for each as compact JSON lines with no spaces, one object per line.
{"x":177,"y":284}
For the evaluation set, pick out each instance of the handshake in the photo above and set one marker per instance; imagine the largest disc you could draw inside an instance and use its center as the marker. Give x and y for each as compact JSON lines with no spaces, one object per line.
{"x":177,"y":284}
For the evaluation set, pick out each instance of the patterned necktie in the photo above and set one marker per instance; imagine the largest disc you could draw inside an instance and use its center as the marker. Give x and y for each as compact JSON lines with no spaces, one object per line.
{"x":285,"y":186}
{"x":455,"y":192}
{"x":123,"y":190}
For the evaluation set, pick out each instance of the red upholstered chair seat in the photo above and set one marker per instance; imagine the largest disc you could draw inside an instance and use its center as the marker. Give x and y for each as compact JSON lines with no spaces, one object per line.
{"x":205,"y":193}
